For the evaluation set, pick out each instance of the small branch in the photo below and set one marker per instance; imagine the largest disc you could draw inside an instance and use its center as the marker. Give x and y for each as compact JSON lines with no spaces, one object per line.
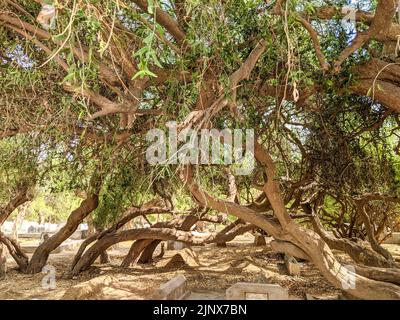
{"x":317,"y":46}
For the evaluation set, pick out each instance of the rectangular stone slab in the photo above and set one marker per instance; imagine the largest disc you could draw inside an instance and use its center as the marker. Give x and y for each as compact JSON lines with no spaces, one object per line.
{"x":174,"y":289}
{"x":256,"y":291}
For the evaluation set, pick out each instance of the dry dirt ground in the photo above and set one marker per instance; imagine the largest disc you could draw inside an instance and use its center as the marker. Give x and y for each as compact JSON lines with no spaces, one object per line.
{"x":211,"y":273}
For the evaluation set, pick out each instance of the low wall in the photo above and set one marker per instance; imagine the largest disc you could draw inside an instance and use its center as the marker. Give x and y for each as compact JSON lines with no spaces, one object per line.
{"x":394,"y":238}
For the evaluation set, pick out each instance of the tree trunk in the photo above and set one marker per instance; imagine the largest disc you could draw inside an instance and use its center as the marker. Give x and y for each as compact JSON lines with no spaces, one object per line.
{"x":307,"y":240}
{"x":134,"y":252}
{"x":82,"y":248}
{"x":289,"y":249}
{"x":16,"y":252}
{"x":391,"y":275}
{"x":40,"y":256}
{"x":18,"y":221}
{"x":361,"y":205}
{"x":21,"y":197}
{"x":14,"y":249}
{"x":148,"y":251}
{"x":147,"y":254}
{"x":359,"y":253}
{"x":128,"y":216}
{"x":315,"y":247}
{"x":108,"y":240}
{"x":3,"y":262}
{"x":104,"y":258}
{"x":91,"y":227}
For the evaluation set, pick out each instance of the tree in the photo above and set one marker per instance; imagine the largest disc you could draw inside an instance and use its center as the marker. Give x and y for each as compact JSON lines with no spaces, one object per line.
{"x":322,"y":97}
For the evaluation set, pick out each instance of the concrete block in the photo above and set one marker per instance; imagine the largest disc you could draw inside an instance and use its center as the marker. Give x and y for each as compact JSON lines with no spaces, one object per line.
{"x":174,"y":289}
{"x":256,"y":291}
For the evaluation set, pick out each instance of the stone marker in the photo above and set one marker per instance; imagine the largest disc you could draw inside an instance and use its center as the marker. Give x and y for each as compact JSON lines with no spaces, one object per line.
{"x":259,"y":240}
{"x":292,"y":266}
{"x":256,"y":291}
{"x":174,"y":289}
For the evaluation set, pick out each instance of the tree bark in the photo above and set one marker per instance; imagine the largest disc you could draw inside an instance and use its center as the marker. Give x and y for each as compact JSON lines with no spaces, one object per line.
{"x":14,"y":249}
{"x":102,"y":244}
{"x":128,"y":216}
{"x":359,"y":253}
{"x":307,"y":240}
{"x":16,"y":252}
{"x":147,"y":248}
{"x":391,"y":275}
{"x":104,"y":258}
{"x":3,"y":262}
{"x":18,"y":221}
{"x":40,"y":256}
{"x":289,"y":249}
{"x":361,"y":204}
{"x":147,"y":254}
{"x":21,"y":197}
{"x":134,"y":252}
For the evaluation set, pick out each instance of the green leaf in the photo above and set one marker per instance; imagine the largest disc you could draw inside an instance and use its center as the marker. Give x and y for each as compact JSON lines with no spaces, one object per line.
{"x":140,"y":52}
{"x":70,"y":76}
{"x":143,"y":73}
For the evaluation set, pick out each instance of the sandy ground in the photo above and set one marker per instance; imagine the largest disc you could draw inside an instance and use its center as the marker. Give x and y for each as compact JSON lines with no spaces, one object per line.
{"x":216,"y":270}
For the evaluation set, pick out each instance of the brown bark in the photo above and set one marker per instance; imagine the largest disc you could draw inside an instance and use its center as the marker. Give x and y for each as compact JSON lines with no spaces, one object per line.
{"x":310,"y":242}
{"x":104,"y":258}
{"x":82,"y":248}
{"x":147,"y":254}
{"x":391,"y":275}
{"x":94,"y":251}
{"x":16,"y":252}
{"x":129,"y":215}
{"x":315,"y":247}
{"x":361,"y":210}
{"x":221,"y":235}
{"x":12,"y":246}
{"x":3,"y":262}
{"x":146,"y":248}
{"x":381,"y":81}
{"x":222,"y":238}
{"x":134,"y":252}
{"x":165,"y":20}
{"x":40,"y":256}
{"x":359,"y":253}
{"x":289,"y":249}
{"x":21,"y":197}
